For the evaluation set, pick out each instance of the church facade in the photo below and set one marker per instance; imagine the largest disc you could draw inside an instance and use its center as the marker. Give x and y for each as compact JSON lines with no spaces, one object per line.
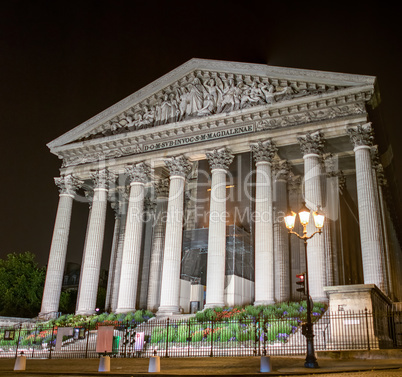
{"x":200,"y":167}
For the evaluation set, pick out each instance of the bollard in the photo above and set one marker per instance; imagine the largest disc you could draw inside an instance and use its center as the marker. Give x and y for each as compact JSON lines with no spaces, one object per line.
{"x":104,"y":364}
{"x":265,"y":365}
{"x":20,"y":363}
{"x":154,"y":364}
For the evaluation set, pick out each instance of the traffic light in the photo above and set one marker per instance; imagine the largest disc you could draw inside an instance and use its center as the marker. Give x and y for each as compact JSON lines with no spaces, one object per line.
{"x":301,"y":282}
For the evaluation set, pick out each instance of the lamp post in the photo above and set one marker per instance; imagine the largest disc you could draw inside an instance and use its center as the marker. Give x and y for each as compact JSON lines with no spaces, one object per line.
{"x":304,"y":216}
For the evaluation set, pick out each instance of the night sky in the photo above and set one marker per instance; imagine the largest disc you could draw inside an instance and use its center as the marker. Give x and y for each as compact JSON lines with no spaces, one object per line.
{"x":62,"y":62}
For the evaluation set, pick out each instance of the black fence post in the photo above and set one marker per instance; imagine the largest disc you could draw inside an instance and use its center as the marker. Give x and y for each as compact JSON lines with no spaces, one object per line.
{"x":367,"y":329}
{"x":34,"y":342}
{"x":18,"y":340}
{"x":189,"y":338}
{"x":167,"y":337}
{"x":51,"y":344}
{"x":258,"y":332}
{"x":86,"y":348}
{"x":212,"y":339}
{"x":264,"y":333}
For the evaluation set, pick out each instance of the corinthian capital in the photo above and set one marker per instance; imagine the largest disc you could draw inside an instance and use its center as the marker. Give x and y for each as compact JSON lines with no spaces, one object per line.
{"x":149,"y":204}
{"x":102,"y":178}
{"x":138,"y":172}
{"x":219,"y":158}
{"x":311,"y":143}
{"x":263,"y":150}
{"x":361,"y":135}
{"x":162,"y":188}
{"x":294,"y":183}
{"x":281,"y":170}
{"x":178,"y":166}
{"x":68,"y":184}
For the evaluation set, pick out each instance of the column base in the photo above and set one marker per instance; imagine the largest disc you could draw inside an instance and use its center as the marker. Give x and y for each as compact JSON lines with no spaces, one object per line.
{"x":167,"y":310}
{"x":46,"y":316}
{"x":264,"y":302}
{"x":85,"y":312}
{"x":124,"y":310}
{"x":216,"y":305}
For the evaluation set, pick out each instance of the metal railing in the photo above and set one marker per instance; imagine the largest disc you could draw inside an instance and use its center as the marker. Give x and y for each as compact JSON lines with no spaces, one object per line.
{"x":189,"y":338}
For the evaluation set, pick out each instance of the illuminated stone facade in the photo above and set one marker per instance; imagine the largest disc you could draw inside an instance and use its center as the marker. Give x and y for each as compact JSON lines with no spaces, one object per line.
{"x":200,"y":167}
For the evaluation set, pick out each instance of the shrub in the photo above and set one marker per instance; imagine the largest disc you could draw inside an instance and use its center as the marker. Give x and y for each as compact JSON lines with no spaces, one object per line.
{"x":210,"y":315}
{"x":182,"y":333}
{"x":291,"y":313}
{"x":252,"y":311}
{"x":200,"y":316}
{"x":226,"y":334}
{"x":138,"y":316}
{"x":197,"y":335}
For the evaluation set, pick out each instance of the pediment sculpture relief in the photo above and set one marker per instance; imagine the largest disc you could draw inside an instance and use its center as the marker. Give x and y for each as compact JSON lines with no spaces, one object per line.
{"x":203,"y":96}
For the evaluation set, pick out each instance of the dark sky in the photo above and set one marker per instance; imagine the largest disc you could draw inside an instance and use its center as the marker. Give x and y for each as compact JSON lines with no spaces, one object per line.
{"x":62,"y":62}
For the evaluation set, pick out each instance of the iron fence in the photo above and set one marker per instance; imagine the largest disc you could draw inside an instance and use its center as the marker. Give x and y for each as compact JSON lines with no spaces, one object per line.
{"x":189,"y":338}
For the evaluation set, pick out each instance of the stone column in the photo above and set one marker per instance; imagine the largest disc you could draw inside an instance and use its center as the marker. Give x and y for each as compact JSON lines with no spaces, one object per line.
{"x":219,"y":161}
{"x":155,"y":269}
{"x":119,"y":205}
{"x":281,"y":235}
{"x":170,"y":286}
{"x":113,"y":254}
{"x":311,"y":146}
{"x":375,"y":163}
{"x":382,"y":186}
{"x":89,"y":279}
{"x":370,"y":231}
{"x":264,"y":247}
{"x":123,"y":204}
{"x":58,"y":250}
{"x":297,"y":255}
{"x":138,"y":175}
{"x":149,"y":222}
{"x":331,"y":210}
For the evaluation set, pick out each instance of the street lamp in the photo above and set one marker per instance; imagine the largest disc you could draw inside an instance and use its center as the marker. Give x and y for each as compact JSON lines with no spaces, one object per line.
{"x":304,"y":216}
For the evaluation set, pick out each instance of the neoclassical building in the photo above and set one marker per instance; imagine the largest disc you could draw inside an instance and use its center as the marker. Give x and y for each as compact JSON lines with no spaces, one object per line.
{"x":200,"y":167}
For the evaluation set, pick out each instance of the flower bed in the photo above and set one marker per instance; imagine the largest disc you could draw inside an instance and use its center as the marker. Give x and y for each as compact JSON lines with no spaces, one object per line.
{"x":273,"y":323}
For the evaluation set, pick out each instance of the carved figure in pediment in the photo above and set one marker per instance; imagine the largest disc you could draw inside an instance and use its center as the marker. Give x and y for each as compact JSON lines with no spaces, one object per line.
{"x":114,"y":127}
{"x":251,"y":96}
{"x":214,"y":89}
{"x":286,"y":93}
{"x":183,"y":96}
{"x":137,"y":121}
{"x":230,"y":98}
{"x":195,"y":97}
{"x":163,"y":111}
{"x":269,"y":94}
{"x":209,"y":106}
{"x":148,"y":117}
{"x":174,"y":108}
{"x":130,"y":122}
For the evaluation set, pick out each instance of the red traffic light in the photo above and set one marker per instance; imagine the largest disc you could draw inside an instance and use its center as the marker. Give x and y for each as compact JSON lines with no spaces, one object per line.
{"x":301,"y":282}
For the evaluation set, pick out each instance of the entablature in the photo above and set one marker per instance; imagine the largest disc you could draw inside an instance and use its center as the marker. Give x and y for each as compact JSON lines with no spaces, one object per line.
{"x":342,"y":104}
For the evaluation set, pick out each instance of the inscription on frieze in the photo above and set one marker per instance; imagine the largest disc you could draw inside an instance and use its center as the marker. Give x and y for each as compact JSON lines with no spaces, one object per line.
{"x":198,"y":138}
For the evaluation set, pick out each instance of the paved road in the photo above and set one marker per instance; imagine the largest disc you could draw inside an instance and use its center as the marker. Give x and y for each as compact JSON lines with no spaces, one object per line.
{"x":237,"y":366}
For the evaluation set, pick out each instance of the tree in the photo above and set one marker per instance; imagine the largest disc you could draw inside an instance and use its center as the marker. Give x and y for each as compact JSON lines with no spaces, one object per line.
{"x":21,"y":285}
{"x":67,"y":301}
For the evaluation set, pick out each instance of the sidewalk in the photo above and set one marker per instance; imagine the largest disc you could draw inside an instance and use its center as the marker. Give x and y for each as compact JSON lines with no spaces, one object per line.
{"x":228,"y":366}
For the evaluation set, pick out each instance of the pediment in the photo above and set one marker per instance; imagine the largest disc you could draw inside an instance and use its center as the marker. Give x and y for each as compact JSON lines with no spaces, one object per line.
{"x":204,"y":88}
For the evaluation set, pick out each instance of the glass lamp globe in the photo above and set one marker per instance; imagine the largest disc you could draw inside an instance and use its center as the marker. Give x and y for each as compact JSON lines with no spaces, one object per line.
{"x":304,"y":215}
{"x":319,"y":218}
{"x":290,"y":219}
